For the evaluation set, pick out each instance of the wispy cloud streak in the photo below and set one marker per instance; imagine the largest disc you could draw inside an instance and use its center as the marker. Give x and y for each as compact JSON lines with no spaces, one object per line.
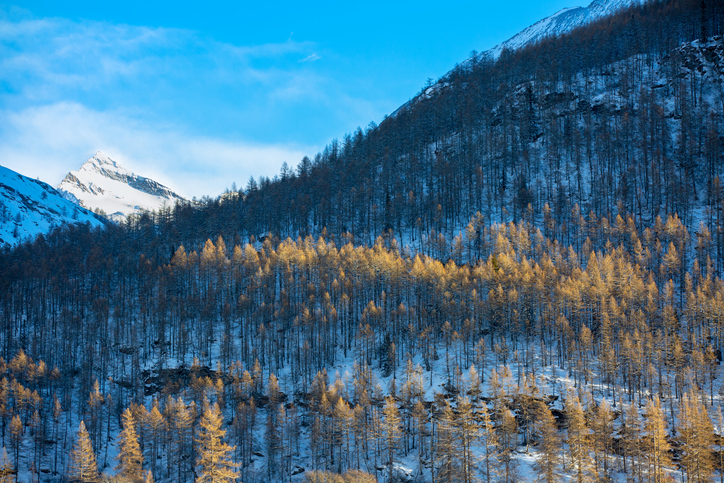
{"x":188,"y":105}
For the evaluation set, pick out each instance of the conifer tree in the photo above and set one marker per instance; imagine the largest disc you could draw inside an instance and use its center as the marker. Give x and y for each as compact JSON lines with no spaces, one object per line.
{"x":343,"y":418}
{"x":213,"y":454}
{"x":130,"y":458}
{"x":720,"y":428}
{"x":273,"y":426}
{"x":489,"y":442}
{"x":579,"y":442}
{"x":95,"y":402}
{"x":630,"y":433}
{"x":419,"y":415}
{"x":57,"y":412}
{"x":7,"y":474}
{"x":658,"y":447}
{"x":391,"y":431}
{"x":83,"y":466}
{"x":291,"y":432}
{"x":155,"y":424}
{"x":602,"y":426}
{"x":548,"y":459}
{"x":181,"y":421}
{"x":16,"y":435}
{"x":468,"y":432}
{"x":446,"y":450}
{"x":508,"y":440}
{"x":697,"y":434}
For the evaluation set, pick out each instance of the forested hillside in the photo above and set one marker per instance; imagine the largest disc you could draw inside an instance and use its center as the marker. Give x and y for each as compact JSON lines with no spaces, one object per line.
{"x":337,"y":357}
{"x":516,"y":276}
{"x":620,"y":117}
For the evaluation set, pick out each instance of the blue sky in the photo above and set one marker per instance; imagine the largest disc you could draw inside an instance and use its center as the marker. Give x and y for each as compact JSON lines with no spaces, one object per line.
{"x":199,"y":95}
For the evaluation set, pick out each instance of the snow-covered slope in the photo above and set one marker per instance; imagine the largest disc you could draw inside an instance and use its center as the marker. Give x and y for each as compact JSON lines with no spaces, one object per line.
{"x":29,"y":207}
{"x":103,"y":184}
{"x":561,"y":22}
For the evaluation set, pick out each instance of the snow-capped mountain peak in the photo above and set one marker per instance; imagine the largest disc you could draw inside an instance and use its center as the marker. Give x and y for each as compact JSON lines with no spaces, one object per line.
{"x":99,"y":161}
{"x":101,"y":183}
{"x":561,"y":22}
{"x":29,"y":207}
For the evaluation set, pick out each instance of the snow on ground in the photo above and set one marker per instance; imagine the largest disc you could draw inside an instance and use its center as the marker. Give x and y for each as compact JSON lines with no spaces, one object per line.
{"x":559,"y":23}
{"x":551,"y":380}
{"x":30,"y":207}
{"x":101,"y":183}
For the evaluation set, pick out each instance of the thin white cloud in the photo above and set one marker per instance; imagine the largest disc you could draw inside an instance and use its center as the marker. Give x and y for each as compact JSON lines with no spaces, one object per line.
{"x":47,"y":142}
{"x":169,"y":103}
{"x":47,"y":60}
{"x":313,"y":57}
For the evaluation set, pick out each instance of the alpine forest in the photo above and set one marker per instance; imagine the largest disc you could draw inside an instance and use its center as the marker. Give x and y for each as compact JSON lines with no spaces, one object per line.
{"x":516,"y":276}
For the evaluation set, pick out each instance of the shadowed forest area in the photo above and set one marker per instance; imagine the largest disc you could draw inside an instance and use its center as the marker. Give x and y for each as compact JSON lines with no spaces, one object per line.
{"x":516,"y":276}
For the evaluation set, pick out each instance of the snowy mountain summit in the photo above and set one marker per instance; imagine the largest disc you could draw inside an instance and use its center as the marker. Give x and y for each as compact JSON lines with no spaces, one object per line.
{"x":561,"y":22}
{"x":103,"y":184}
{"x":29,"y":207}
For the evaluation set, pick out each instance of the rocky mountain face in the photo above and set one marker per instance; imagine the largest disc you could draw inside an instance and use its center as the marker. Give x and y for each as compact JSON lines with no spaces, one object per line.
{"x":30,"y":207}
{"x":104,"y":186}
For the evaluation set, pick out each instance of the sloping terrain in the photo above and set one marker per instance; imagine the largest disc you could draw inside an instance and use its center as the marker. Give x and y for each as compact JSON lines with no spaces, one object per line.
{"x":103,"y":184}
{"x":571,"y":331}
{"x":561,"y":22}
{"x":29,"y":207}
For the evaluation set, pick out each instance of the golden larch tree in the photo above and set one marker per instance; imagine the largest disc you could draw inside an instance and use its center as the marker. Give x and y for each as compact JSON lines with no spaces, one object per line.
{"x":213,"y":453}
{"x":83,"y":467}
{"x":130,"y":458}
{"x":7,"y":473}
{"x":657,"y":445}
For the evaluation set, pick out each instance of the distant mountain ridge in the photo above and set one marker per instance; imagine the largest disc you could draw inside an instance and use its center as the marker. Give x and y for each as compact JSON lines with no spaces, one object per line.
{"x":560,"y":22}
{"x":103,"y":184}
{"x":29,"y":207}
